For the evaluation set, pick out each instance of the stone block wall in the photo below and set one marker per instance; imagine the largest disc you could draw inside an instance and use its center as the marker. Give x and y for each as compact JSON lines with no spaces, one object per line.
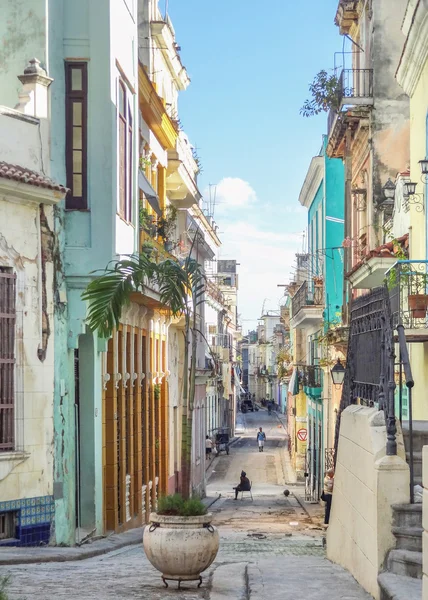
{"x":367,"y":483}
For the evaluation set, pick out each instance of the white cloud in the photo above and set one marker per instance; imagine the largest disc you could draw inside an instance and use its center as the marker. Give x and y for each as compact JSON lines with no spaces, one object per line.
{"x":265,"y":260}
{"x":231,"y":193}
{"x":253,"y":235}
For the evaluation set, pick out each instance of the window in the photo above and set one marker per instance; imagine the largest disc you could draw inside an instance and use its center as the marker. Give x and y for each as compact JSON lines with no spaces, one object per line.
{"x":8,"y":525}
{"x":125,"y":152}
{"x":76,"y":86}
{"x":7,"y":358}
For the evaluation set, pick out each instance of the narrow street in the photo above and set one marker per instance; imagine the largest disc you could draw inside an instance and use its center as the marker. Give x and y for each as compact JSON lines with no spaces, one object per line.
{"x":270,"y":548}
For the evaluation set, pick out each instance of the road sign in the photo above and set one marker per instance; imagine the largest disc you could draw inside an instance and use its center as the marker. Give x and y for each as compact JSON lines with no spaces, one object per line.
{"x":302,"y":434}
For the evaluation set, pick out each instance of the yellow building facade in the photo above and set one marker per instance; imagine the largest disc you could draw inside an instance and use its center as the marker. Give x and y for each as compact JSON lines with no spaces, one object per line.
{"x":412,"y":75}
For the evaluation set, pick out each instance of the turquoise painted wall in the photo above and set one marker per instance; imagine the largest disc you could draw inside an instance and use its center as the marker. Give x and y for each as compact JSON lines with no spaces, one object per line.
{"x":87,"y":242}
{"x":316,"y":231}
{"x":334,"y":195}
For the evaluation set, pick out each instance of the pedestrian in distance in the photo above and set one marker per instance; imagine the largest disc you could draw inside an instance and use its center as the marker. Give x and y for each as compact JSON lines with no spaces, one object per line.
{"x":327,"y":494}
{"x":208,"y":447}
{"x":261,"y":438}
{"x":243,"y":486}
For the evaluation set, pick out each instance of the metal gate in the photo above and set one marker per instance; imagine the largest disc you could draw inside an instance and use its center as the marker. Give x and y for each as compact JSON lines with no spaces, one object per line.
{"x":369,"y":373}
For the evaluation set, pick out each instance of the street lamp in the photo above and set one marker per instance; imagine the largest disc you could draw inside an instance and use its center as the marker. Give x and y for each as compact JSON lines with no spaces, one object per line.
{"x":338,"y":374}
{"x":410,"y":188}
{"x":424,"y":166}
{"x":389,"y":190}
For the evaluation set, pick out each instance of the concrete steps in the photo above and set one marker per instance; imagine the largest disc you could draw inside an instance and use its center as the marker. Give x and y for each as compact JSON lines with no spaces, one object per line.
{"x":403,"y":578}
{"x":407,"y":515}
{"x":408,"y":538}
{"x":398,"y":587}
{"x":405,"y":562}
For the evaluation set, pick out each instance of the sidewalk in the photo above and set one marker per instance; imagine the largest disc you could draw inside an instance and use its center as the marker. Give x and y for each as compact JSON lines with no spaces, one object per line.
{"x":14,"y":555}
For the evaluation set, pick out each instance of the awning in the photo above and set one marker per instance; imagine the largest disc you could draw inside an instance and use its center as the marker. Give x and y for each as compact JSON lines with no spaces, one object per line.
{"x":149,"y":193}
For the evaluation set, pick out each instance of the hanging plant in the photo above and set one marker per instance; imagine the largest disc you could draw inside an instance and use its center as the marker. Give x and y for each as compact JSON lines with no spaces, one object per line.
{"x":157,"y":391}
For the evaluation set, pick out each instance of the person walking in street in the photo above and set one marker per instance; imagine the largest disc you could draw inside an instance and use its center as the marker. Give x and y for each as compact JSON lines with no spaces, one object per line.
{"x":261,"y":438}
{"x":243,"y":486}
{"x":328,"y":494}
{"x":208,"y":447}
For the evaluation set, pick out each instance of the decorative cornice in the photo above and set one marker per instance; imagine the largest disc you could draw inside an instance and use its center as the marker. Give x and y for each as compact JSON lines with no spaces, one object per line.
{"x":312,"y":181}
{"x":415,"y":52}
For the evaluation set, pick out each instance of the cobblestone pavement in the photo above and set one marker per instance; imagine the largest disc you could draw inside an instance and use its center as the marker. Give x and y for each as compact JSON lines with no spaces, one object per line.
{"x":270,"y":549}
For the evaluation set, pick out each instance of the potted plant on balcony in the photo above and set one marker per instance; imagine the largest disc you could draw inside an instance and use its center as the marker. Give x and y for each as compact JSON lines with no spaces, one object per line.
{"x":166,"y":226}
{"x":404,"y":277}
{"x":147,"y":248}
{"x":145,"y":218}
{"x":181,"y":288}
{"x":325,"y":90}
{"x":418,"y":297}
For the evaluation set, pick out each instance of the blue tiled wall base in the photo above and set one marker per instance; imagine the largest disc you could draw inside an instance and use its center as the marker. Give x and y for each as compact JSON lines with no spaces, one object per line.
{"x":34,"y":517}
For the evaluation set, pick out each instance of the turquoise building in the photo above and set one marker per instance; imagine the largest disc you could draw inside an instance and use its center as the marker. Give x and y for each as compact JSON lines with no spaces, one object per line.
{"x":321,"y":305}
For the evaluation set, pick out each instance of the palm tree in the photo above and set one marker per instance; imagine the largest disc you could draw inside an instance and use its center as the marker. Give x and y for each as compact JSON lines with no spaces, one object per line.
{"x":181,"y":288}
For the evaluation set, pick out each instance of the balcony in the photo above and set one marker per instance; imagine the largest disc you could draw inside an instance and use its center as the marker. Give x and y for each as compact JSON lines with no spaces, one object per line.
{"x":312,"y":380}
{"x":164,"y":35}
{"x":356,"y":87}
{"x":213,"y":291}
{"x":181,"y":174}
{"x":154,"y":112}
{"x":307,"y":306}
{"x":407,"y":282}
{"x":355,"y":97}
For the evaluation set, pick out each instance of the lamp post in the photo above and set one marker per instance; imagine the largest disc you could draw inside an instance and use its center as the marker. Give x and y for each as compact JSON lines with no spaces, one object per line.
{"x":338,"y":374}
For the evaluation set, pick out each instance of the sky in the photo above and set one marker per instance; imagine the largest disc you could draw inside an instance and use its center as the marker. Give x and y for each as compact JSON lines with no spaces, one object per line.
{"x":250,"y":65}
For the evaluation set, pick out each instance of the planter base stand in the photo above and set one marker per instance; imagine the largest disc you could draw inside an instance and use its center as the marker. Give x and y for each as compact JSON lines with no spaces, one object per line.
{"x":166,"y":578}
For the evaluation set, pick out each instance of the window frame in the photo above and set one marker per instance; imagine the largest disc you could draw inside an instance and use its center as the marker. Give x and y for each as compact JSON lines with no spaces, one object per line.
{"x":7,"y":274}
{"x":72,"y":97}
{"x":125,"y":119}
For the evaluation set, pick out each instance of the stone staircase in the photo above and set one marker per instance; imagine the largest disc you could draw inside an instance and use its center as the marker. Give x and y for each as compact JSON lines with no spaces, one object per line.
{"x":403,"y":578}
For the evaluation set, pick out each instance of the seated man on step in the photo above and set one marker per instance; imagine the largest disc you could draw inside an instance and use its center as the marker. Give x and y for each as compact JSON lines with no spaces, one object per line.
{"x":244,"y":485}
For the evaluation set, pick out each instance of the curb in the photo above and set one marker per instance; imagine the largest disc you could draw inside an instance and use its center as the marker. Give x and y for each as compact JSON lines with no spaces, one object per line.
{"x":212,"y":501}
{"x":74,"y":553}
{"x":303,"y":507}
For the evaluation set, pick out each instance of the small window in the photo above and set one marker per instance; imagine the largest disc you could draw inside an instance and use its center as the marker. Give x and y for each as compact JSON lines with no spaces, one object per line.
{"x":76,"y":85}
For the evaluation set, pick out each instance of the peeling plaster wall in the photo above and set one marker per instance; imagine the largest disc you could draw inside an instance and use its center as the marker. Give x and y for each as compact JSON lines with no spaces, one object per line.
{"x":390,"y":117}
{"x":29,"y":474}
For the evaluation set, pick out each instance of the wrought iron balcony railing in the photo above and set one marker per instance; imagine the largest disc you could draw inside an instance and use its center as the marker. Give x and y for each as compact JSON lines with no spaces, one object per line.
{"x":407,"y":282}
{"x":305,"y":297}
{"x":312,"y":376}
{"x":356,"y":85}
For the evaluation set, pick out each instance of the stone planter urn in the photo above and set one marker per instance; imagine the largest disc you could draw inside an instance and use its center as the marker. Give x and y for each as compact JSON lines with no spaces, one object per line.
{"x":181,"y":548}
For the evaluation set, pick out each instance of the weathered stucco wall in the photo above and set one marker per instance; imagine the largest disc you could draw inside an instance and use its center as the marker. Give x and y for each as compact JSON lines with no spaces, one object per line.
{"x":25,"y":247}
{"x":366,"y":484}
{"x":390,"y":117}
